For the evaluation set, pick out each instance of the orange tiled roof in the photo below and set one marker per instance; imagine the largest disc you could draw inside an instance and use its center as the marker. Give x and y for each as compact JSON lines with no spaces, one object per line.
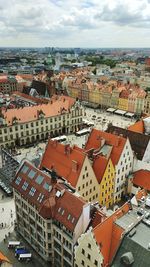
{"x":138,"y":127}
{"x":61,"y":157}
{"x":117,"y":143}
{"x":99,"y":167}
{"x":27,"y":114}
{"x":109,"y":242}
{"x":142,"y":179}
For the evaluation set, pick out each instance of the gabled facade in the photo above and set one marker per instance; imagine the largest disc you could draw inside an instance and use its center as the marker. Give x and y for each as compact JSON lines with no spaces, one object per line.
{"x":123,"y":167}
{"x":73,"y":165}
{"x":87,"y":252}
{"x":120,"y":152}
{"x":107,"y":186}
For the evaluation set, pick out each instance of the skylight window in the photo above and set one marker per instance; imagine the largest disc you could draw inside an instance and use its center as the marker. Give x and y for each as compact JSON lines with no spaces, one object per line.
{"x":32,"y":191}
{"x":25,"y":186}
{"x":18,"y":180}
{"x":31,"y":174}
{"x":24,"y":169}
{"x":39,"y":179}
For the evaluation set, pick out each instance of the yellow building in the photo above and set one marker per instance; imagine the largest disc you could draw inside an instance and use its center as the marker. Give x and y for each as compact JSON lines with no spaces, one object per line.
{"x":105,"y":173}
{"x":74,"y":166}
{"x":95,"y":96}
{"x":123,"y":100}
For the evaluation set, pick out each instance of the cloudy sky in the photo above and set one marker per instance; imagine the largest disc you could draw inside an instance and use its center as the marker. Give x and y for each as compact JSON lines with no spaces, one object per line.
{"x":75,"y":23}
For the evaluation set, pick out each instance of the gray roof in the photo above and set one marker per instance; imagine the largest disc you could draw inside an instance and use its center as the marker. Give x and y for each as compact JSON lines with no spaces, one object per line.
{"x":141,"y":255}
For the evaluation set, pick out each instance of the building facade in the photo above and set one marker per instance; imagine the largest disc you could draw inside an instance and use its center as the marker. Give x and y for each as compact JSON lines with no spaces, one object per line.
{"x":31,"y":124}
{"x":50,"y":217}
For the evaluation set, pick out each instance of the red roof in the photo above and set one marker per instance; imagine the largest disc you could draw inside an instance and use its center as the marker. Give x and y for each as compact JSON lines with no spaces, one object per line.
{"x":97,"y":138}
{"x":99,"y":167}
{"x":137,"y":127}
{"x":142,"y":179}
{"x":54,"y":201}
{"x":108,"y":235}
{"x":67,"y":161}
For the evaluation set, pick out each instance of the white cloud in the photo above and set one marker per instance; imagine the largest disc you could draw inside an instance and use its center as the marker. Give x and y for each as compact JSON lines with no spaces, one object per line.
{"x":74,"y":23}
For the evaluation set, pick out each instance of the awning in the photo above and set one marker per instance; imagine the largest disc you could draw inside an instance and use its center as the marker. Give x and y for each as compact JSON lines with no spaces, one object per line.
{"x":129,"y":114}
{"x":110,"y":109}
{"x":120,"y":112}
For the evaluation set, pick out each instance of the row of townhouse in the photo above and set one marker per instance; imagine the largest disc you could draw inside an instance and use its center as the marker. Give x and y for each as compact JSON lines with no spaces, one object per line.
{"x":99,"y":171}
{"x":113,"y":94}
{"x":30,"y":124}
{"x":61,"y":227}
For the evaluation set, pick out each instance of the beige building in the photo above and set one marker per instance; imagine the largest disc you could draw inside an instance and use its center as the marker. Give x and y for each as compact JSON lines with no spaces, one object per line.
{"x":50,"y":216}
{"x":73,"y":165}
{"x":87,"y":252}
{"x":30,"y":124}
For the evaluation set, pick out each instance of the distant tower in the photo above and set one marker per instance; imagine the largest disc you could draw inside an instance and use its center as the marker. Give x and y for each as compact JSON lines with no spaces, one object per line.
{"x":57,"y":61}
{"x":49,"y":61}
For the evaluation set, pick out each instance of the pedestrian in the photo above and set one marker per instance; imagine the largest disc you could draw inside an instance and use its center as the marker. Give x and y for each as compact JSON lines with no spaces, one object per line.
{"x":2,"y":209}
{"x":2,"y":225}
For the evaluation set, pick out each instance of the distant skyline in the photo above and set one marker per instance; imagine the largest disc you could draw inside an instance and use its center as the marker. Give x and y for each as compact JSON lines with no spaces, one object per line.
{"x":74,"y":23}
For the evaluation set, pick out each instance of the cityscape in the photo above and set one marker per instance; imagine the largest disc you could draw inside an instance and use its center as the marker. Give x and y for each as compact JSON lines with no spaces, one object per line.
{"x":75,"y":133}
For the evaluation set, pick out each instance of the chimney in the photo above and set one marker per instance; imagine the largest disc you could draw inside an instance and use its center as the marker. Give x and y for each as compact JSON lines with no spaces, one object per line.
{"x":74,"y":165}
{"x":67,"y":149}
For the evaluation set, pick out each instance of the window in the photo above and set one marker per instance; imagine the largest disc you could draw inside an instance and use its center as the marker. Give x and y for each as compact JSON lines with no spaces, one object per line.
{"x":83,"y":186}
{"x":82,"y":262}
{"x":32,"y":191}
{"x":39,"y":179}
{"x":85,"y":168}
{"x":89,"y":245}
{"x":31,"y":174}
{"x":96,"y":263}
{"x":18,"y":180}
{"x":83,"y":176}
{"x":24,"y":169}
{"x":87,"y":174}
{"x":79,"y":188}
{"x":89,"y":256}
{"x":25,"y":186}
{"x":83,"y":251}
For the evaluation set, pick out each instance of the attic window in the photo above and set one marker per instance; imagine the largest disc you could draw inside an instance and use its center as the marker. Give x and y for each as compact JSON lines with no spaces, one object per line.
{"x":25,"y":186}
{"x":32,"y":191}
{"x":73,"y":219}
{"x":18,"y":180}
{"x":40,"y":197}
{"x":69,"y":217}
